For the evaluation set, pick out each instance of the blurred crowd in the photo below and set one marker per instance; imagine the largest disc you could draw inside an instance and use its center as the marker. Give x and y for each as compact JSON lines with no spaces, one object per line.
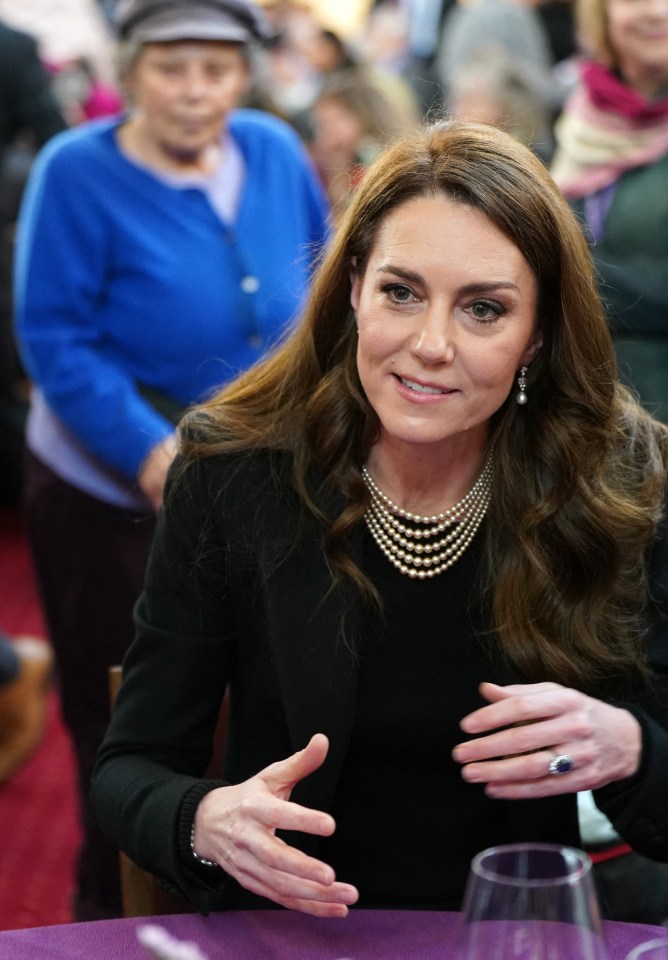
{"x":584,"y":85}
{"x":348,"y":80}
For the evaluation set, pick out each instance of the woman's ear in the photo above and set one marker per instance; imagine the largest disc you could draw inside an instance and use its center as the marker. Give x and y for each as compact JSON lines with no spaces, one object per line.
{"x":532,"y":350}
{"x":355,"y":285}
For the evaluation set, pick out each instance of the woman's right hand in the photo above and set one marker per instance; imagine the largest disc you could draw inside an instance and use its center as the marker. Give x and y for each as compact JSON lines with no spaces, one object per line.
{"x":235,"y":827}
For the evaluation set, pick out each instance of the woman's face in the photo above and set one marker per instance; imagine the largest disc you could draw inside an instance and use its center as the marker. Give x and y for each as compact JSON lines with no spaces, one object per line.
{"x":446,"y":311}
{"x":638,"y":34}
{"x":337,"y":134}
{"x":182,"y":92}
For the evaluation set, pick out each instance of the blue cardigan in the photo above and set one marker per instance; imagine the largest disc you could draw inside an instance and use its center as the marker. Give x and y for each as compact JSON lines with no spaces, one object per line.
{"x":123,"y":280}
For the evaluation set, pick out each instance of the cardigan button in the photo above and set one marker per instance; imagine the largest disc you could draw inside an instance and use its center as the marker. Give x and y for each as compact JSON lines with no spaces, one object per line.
{"x":255,"y":341}
{"x":250,"y":284}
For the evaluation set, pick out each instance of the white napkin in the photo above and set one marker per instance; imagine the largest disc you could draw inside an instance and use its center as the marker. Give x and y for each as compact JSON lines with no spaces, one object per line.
{"x":161,"y":945}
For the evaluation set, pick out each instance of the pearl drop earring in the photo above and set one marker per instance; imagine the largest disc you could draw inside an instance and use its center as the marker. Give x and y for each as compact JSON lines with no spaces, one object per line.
{"x":522,"y":397}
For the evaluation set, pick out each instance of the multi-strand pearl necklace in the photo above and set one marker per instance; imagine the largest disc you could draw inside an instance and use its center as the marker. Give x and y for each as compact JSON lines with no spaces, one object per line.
{"x":423,"y":547}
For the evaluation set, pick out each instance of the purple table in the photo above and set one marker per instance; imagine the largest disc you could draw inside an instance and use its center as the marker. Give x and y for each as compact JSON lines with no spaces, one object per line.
{"x":278,"y":935}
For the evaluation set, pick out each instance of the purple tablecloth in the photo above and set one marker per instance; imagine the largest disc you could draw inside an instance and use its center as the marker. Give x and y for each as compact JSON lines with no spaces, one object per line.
{"x":278,"y":935}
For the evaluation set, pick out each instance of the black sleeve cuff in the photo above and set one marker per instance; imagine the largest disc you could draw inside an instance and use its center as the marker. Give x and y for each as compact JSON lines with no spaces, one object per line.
{"x":186,"y":820}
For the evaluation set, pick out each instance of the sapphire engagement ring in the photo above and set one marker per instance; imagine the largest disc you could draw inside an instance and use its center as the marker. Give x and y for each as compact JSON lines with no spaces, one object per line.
{"x":560,"y":764}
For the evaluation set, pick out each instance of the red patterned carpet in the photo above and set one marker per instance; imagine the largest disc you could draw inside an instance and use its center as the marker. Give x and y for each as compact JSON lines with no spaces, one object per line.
{"x":38,"y":823}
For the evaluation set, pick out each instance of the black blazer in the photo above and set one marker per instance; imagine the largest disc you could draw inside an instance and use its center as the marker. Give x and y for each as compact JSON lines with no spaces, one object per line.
{"x":238,"y":592}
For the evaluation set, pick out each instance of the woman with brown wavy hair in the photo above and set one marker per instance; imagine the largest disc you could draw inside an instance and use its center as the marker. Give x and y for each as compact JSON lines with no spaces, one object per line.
{"x":424,"y":539}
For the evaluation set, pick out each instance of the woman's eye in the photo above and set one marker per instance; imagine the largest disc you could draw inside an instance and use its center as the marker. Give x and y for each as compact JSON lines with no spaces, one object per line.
{"x":485,"y":311}
{"x":398,"y":293}
{"x":169,"y":69}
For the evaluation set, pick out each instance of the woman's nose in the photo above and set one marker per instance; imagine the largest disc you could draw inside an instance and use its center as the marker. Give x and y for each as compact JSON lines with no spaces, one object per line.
{"x":434,"y":338}
{"x":194,"y":84}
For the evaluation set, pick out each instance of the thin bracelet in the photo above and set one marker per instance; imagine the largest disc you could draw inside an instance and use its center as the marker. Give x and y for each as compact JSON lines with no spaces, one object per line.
{"x":206,"y":863}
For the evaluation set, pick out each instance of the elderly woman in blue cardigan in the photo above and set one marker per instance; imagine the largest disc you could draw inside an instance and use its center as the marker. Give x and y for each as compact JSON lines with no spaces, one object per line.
{"x":159,"y":253}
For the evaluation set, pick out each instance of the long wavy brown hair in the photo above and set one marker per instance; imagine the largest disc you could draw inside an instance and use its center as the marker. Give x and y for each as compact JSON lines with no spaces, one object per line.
{"x":580,"y":470}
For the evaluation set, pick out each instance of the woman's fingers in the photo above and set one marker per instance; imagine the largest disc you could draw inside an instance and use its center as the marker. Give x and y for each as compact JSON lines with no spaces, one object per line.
{"x":525,"y":727}
{"x":327,"y":902}
{"x":285,"y":873}
{"x":281,"y":777}
{"x":530,"y":767}
{"x":525,"y":738}
{"x":520,"y":704}
{"x":277,"y":814}
{"x":239,"y":825}
{"x":255,"y":845}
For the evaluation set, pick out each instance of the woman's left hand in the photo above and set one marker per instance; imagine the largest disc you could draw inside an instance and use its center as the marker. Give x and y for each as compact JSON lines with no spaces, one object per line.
{"x":153,"y":471}
{"x":525,"y":726}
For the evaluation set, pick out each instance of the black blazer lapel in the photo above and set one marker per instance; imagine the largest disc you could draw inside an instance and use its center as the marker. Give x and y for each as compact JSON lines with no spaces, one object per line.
{"x":311,"y":631}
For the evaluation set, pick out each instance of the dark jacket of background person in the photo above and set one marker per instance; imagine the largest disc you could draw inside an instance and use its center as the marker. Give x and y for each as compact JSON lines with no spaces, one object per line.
{"x":29,"y":116}
{"x":632,"y":264}
{"x":26,"y":100}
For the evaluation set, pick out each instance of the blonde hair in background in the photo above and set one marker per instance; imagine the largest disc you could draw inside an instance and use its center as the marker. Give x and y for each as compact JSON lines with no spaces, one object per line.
{"x":591,"y":22}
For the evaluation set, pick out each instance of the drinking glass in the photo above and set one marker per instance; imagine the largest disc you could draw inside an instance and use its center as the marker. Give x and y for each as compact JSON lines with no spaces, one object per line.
{"x":652,"y":950}
{"x":531,"y":901}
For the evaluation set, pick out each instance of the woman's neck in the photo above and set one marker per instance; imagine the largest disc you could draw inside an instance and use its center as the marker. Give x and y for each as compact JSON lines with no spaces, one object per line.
{"x":426,"y":481}
{"x":651,"y":84}
{"x":137,"y":144}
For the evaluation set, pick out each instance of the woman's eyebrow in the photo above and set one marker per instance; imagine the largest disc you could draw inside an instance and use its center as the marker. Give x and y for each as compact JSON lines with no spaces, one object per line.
{"x":405,"y":274}
{"x":488,"y":286}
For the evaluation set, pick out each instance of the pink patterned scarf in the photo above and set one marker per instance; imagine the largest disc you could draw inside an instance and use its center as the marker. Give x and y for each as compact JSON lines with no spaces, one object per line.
{"x":606,"y":128}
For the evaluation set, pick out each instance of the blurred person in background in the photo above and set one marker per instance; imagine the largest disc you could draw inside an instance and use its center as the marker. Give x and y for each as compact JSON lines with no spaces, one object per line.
{"x":27,"y":103}
{"x":76,"y":45}
{"x":82,"y":95}
{"x":306,"y":59}
{"x":495,"y":88}
{"x":25,"y":674}
{"x":159,"y":253}
{"x":558,"y":19}
{"x":612,"y":162}
{"x":66,"y":30}
{"x":351,"y":121}
{"x":29,"y":116}
{"x":472,"y":30}
{"x":425,"y":20}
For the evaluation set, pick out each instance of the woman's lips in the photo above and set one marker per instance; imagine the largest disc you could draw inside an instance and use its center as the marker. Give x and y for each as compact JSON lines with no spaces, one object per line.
{"x":419,"y":390}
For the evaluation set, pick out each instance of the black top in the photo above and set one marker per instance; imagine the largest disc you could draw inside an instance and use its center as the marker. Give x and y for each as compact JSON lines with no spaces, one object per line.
{"x":408,"y":841}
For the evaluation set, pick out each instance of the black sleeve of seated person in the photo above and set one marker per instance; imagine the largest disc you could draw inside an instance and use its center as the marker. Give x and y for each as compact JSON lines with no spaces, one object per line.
{"x":638,"y":805}
{"x":154,"y":756}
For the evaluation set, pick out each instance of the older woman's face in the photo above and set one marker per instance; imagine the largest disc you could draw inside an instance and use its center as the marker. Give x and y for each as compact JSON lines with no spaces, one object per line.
{"x":183,"y":91}
{"x":446,"y":311}
{"x":638,"y":34}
